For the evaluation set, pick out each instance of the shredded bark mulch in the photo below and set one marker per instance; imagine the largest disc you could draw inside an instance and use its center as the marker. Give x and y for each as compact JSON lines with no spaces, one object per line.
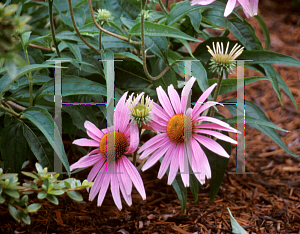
{"x":267,"y":201}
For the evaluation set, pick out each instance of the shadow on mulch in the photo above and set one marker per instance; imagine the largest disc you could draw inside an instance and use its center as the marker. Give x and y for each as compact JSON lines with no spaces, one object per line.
{"x":267,"y":201}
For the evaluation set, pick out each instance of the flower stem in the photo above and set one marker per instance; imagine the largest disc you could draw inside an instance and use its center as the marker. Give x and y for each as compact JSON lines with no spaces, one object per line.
{"x":52,"y":27}
{"x":9,"y":110}
{"x":30,"y":79}
{"x":100,"y":37}
{"x":163,"y":7}
{"x":221,"y":76}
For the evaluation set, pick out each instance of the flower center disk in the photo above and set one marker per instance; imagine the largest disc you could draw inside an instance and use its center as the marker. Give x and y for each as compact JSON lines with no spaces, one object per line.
{"x":180,"y":128}
{"x":107,"y":145}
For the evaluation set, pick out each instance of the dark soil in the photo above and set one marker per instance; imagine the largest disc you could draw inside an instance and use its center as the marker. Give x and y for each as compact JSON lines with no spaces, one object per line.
{"x":267,"y":201}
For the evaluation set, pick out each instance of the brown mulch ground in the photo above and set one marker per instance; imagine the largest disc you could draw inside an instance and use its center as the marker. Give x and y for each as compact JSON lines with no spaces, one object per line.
{"x":266,"y":202}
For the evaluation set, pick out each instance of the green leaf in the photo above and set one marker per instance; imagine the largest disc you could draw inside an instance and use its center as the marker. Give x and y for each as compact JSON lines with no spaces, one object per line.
{"x":181,"y":191}
{"x":52,"y":199}
{"x":14,"y":212}
{"x":260,"y":56}
{"x":40,"y":147}
{"x":13,"y":146}
{"x":265,"y":31}
{"x":215,"y":15}
{"x":158,"y":46}
{"x":2,"y":198}
{"x":6,"y":80}
{"x":73,"y":46}
{"x":75,"y":195}
{"x":231,"y":84}
{"x":56,"y":192}
{"x":254,"y":111}
{"x":195,"y":18}
{"x":159,"y":30}
{"x":12,"y":193}
{"x":72,"y":85}
{"x":218,"y":166}
{"x":33,"y":207}
{"x":129,"y":55}
{"x":23,"y":200}
{"x":194,"y":186}
{"x":41,"y":195}
{"x":25,"y":218}
{"x":79,"y":16}
{"x":236,"y":228}
{"x":180,"y":10}
{"x":25,"y":37}
{"x":245,"y":33}
{"x":41,"y":118}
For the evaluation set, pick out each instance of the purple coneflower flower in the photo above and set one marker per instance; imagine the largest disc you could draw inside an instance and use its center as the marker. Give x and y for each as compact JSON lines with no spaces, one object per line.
{"x":112,"y":167}
{"x":250,"y":7}
{"x":179,"y":139}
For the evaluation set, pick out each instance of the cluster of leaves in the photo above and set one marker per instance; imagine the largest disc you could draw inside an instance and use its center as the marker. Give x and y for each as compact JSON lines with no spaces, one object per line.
{"x":27,"y":105}
{"x":45,"y":184}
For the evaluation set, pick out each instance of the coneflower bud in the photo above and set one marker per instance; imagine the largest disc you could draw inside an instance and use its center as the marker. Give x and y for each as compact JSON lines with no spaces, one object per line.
{"x":140,"y":110}
{"x":104,"y":16}
{"x":224,"y":62}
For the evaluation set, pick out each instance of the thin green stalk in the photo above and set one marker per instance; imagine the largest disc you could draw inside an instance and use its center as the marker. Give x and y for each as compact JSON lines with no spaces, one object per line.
{"x":167,"y":4}
{"x":30,"y":79}
{"x":144,"y":52}
{"x":100,"y":36}
{"x":163,"y":7}
{"x":52,"y":27}
{"x":9,"y":110}
{"x":221,"y":76}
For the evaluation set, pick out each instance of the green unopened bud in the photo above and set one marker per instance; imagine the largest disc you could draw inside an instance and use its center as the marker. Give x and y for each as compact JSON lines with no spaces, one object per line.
{"x":104,"y":16}
{"x":222,"y":61}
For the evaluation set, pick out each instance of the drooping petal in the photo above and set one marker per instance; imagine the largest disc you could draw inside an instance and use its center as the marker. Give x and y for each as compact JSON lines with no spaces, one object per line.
{"x":229,"y":7}
{"x":202,"y":98}
{"x":201,"y":2}
{"x":135,"y":177}
{"x":213,"y":120}
{"x":86,"y":142}
{"x":115,"y":190}
{"x":173,"y":168}
{"x":127,"y":197}
{"x":166,"y":161}
{"x":103,"y":189}
{"x":183,"y":165}
{"x":211,"y":145}
{"x":157,"y":127}
{"x":95,"y":170}
{"x":124,"y":176}
{"x":97,"y":183}
{"x":155,"y":157}
{"x":86,"y":161}
{"x":254,"y":5}
{"x":186,"y":92}
{"x":174,"y":98}
{"x":203,"y":107}
{"x":93,"y":132}
{"x":217,"y":135}
{"x":246,"y":7}
{"x":121,"y":115}
{"x":164,"y":101}
{"x":152,"y":141}
{"x":134,"y":138}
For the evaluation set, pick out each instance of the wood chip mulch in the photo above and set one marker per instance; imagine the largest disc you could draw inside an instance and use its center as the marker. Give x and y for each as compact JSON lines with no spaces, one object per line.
{"x":267,"y":201}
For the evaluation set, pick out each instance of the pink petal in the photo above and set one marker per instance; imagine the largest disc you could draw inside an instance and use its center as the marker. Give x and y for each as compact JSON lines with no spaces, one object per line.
{"x":202,"y":98}
{"x":155,"y":157}
{"x":186,"y":92}
{"x":246,"y":6}
{"x":201,"y":2}
{"x":200,"y":164}
{"x":135,"y":177}
{"x":121,"y":115}
{"x":173,"y":167}
{"x":161,"y":113}
{"x":123,"y":175}
{"x":215,"y":126}
{"x":211,"y":145}
{"x":213,"y":120}
{"x":164,"y":101}
{"x":152,"y":141}
{"x":183,"y":161}
{"x":175,"y":100}
{"x":166,"y":161}
{"x":157,"y":127}
{"x":86,"y":161}
{"x":104,"y":186}
{"x":204,"y":107}
{"x":86,"y":142}
{"x":163,"y":143}
{"x":95,"y":170}
{"x":115,"y":191}
{"x":229,"y":7}
{"x":127,"y":197}
{"x":254,"y":5}
{"x":97,"y":183}
{"x":93,"y":131}
{"x":217,"y":135}
{"x":134,"y":138}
